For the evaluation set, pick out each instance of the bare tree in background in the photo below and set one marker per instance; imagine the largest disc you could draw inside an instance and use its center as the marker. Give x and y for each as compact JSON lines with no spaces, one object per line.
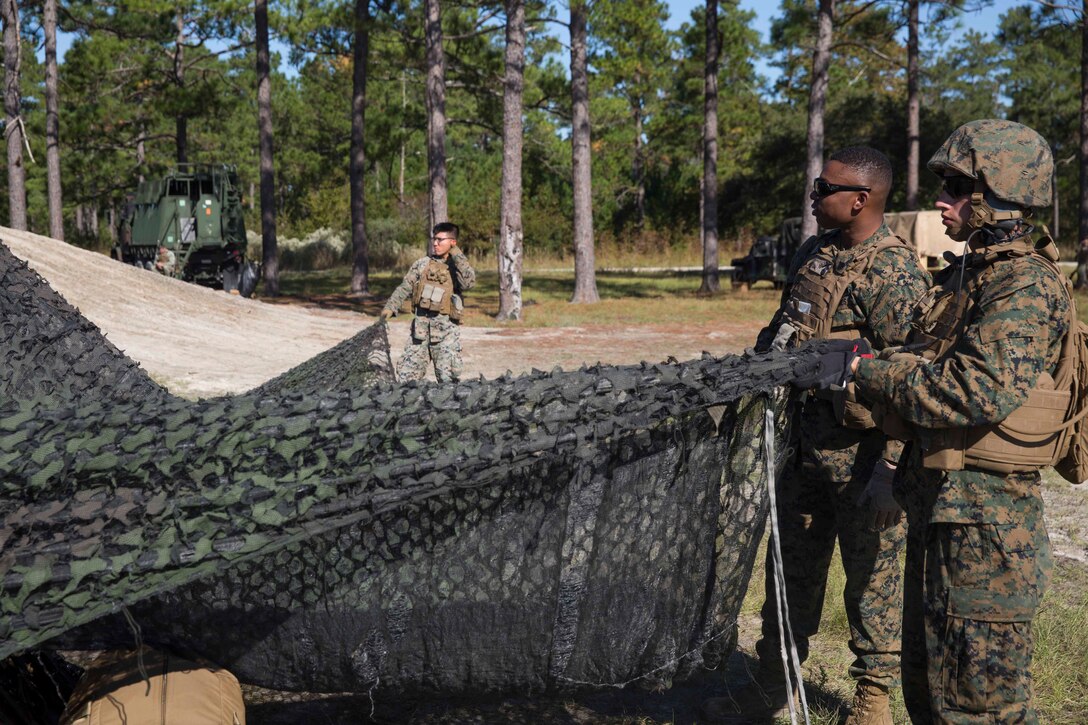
{"x":710,"y":283}
{"x":360,"y":264}
{"x":914,"y":105}
{"x":817,"y":104}
{"x":436,"y":114}
{"x":52,"y":124}
{"x":585,"y":275}
{"x":511,"y":233}
{"x":13,"y":120}
{"x":269,"y":256}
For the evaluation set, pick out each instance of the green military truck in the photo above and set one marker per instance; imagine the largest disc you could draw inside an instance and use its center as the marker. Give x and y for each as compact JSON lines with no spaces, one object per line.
{"x":769,"y":258}
{"x":194,"y":213}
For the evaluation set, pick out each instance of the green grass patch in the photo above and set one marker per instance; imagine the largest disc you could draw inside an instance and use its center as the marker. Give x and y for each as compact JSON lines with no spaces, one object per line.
{"x":626,"y":299}
{"x":1059,"y":665}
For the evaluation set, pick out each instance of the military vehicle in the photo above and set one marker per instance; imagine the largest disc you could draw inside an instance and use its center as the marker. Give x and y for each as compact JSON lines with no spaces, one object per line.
{"x":769,"y":257}
{"x":195,"y":212}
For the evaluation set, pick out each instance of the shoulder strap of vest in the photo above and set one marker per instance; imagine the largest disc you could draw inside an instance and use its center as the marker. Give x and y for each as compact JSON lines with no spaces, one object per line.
{"x":866,"y":260}
{"x":876,"y":248}
{"x":809,"y":247}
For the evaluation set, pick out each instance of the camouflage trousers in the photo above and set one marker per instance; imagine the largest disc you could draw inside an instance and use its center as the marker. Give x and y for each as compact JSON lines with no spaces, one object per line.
{"x":970,"y":594}
{"x":435,"y":340}
{"x":812,"y":513}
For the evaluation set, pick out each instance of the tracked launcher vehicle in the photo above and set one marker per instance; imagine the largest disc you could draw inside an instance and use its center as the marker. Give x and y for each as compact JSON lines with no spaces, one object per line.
{"x":195,"y":212}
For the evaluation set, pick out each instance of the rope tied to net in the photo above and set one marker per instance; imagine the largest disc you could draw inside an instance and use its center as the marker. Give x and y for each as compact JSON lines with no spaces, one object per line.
{"x":791,"y":661}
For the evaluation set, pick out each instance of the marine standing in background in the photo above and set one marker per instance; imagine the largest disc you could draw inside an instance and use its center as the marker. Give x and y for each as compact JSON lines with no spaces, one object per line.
{"x":858,"y":279}
{"x":165,"y":261}
{"x":990,"y":337}
{"x":435,"y":284}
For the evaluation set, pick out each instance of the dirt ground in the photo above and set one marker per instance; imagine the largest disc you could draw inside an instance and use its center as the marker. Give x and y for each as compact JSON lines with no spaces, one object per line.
{"x":201,"y":343}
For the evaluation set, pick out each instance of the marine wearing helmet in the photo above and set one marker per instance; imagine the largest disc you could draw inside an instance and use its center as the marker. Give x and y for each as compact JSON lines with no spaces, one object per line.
{"x":1004,"y":167}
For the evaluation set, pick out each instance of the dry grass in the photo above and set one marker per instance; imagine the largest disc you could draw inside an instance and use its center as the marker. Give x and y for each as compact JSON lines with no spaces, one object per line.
{"x":1060,"y":664}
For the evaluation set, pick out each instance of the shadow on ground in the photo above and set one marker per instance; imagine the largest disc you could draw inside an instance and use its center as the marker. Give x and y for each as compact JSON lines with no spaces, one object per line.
{"x":679,"y":705}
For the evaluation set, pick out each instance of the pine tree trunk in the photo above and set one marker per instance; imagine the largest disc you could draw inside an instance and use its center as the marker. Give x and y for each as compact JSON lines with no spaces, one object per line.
{"x":511,"y":238}
{"x":585,"y":276}
{"x":1084,"y":125}
{"x":709,"y":187}
{"x":436,"y":114}
{"x":360,"y":265}
{"x":181,"y":121}
{"x":269,"y":254}
{"x":52,"y":123}
{"x":9,"y":12}
{"x":817,"y":102}
{"x":638,"y":168}
{"x":913,"y":107}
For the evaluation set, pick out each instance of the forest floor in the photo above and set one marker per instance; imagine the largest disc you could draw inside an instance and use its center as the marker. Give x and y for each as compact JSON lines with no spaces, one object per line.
{"x":201,"y":343}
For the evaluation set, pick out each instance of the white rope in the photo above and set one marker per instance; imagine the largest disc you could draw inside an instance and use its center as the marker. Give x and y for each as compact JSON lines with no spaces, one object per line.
{"x":791,"y":661}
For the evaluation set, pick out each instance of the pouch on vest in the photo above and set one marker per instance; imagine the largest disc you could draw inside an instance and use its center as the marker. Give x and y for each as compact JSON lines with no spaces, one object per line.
{"x":1026,"y":440}
{"x":457,"y":308}
{"x":434,"y":288}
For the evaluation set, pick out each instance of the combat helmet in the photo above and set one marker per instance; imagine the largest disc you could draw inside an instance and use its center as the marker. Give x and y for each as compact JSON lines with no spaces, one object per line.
{"x":1011,"y":164}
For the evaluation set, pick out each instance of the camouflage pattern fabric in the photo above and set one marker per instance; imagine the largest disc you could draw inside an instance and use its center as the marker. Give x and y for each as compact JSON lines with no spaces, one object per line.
{"x":818,"y":493}
{"x":463,"y":538}
{"x":1013,"y":160}
{"x":983,"y":604}
{"x":435,"y":338}
{"x":358,"y":362}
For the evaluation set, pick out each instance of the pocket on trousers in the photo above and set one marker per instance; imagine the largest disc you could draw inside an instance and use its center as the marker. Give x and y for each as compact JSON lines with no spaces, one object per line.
{"x":419,"y":330}
{"x":985,"y":665}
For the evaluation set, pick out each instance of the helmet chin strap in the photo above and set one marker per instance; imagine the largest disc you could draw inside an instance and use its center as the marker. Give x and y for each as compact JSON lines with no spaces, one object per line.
{"x":982,"y":214}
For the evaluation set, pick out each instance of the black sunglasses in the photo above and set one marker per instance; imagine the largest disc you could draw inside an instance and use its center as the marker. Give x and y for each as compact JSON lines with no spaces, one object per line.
{"x":957,"y":186}
{"x":823,"y":187}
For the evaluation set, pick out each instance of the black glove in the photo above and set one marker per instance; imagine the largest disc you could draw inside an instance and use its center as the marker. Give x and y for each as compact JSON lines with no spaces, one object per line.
{"x":832,"y":367}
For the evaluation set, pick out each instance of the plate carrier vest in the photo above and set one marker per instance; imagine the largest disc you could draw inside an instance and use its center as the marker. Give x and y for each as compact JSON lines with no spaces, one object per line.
{"x":434,"y":291}
{"x":1033,"y":435}
{"x":814,"y":297}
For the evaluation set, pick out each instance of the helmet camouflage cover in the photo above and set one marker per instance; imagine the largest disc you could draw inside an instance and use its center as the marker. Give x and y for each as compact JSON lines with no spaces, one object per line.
{"x":1014,"y":161}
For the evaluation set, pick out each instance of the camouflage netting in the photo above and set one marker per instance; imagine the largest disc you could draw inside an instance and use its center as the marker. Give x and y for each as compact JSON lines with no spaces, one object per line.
{"x":550,"y":530}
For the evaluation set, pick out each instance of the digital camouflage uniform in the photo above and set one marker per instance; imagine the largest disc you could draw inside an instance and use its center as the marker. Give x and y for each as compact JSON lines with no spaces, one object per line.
{"x":978,"y":556}
{"x":818,"y":492}
{"x":435,"y":337}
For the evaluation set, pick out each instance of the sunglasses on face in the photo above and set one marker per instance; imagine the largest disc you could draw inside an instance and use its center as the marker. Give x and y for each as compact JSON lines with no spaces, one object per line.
{"x":823,"y":187}
{"x":957,"y":186}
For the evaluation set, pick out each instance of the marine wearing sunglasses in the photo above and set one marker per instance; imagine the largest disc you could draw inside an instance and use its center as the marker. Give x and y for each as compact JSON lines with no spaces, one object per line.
{"x":822,"y":187}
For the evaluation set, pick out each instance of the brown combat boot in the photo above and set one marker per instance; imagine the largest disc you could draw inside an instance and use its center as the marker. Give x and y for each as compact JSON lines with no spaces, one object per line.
{"x":763,"y":698}
{"x":871,"y":706}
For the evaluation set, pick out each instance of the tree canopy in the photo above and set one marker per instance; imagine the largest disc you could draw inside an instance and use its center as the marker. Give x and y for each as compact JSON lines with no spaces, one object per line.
{"x":144,"y":83}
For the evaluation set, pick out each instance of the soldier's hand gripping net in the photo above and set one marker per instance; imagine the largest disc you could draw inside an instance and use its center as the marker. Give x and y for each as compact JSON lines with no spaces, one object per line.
{"x":832,"y":366}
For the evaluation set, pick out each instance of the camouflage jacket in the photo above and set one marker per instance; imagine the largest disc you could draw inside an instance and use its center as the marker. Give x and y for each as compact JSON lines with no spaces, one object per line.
{"x":1014,"y":335}
{"x":464,"y":277}
{"x":881,"y":301}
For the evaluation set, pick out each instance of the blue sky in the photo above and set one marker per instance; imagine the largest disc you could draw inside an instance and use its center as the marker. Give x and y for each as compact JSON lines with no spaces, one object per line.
{"x":985,"y":20}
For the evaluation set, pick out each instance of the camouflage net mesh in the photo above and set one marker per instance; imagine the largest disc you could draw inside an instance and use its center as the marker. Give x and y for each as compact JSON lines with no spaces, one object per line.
{"x":334,"y":531}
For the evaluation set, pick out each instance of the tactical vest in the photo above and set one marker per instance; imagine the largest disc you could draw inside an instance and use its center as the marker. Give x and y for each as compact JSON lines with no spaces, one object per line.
{"x":815,"y":295}
{"x":434,"y":291}
{"x":1032,"y":436}
{"x":820,"y":284}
